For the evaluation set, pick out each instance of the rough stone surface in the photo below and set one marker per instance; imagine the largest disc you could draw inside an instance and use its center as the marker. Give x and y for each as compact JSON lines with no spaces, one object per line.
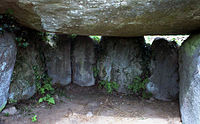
{"x":83,"y":61}
{"x":164,"y":70}
{"x":10,"y":111}
{"x":120,"y":60}
{"x":58,"y":60}
{"x":189,"y":65}
{"x":23,"y":81}
{"x":7,"y":60}
{"x":108,"y":17}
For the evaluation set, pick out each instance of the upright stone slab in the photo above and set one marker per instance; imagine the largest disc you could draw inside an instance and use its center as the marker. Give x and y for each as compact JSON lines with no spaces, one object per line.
{"x":189,"y":71}
{"x":164,"y":70}
{"x":83,"y":61}
{"x":58,"y":60}
{"x":7,"y":60}
{"x":28,"y":62}
{"x":120,"y":60}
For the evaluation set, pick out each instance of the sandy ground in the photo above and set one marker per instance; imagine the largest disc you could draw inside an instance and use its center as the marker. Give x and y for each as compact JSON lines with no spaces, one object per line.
{"x":93,"y":106}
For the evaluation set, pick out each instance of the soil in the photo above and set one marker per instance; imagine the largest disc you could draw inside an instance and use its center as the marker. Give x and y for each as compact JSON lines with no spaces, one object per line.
{"x":90,"y":105}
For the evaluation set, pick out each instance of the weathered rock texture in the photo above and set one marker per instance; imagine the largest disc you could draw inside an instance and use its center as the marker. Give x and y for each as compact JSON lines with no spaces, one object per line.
{"x":120,"y":60}
{"x":23,"y":85}
{"x":58,"y":60}
{"x":83,"y":61}
{"x":164,"y":70}
{"x":10,"y":111}
{"x":7,"y":60}
{"x":108,"y":17}
{"x":189,"y":62}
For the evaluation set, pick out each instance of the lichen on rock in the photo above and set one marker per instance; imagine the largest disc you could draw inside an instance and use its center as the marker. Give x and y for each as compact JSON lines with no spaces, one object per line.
{"x":121,"y":60}
{"x":189,"y":65}
{"x":23,"y":85}
{"x":58,"y":60}
{"x":164,"y":70}
{"x":8,"y":55}
{"x":83,"y":61}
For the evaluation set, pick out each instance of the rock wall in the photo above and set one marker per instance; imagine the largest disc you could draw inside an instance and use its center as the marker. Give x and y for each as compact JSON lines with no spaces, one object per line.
{"x":164,"y":70}
{"x":83,"y":61}
{"x":23,"y":85}
{"x":58,"y":60}
{"x":7,"y":60}
{"x":189,"y":62}
{"x":120,"y":60}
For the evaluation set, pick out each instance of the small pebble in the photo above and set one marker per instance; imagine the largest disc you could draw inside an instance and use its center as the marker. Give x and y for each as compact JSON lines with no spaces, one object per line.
{"x":89,"y":114}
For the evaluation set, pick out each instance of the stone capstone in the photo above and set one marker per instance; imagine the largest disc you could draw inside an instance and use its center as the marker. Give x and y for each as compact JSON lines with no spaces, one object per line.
{"x":107,"y":17}
{"x":8,"y":53}
{"x":23,"y":85}
{"x":189,"y":65}
{"x":83,"y":61}
{"x":58,"y":60}
{"x":164,"y":70}
{"x":120,"y":60}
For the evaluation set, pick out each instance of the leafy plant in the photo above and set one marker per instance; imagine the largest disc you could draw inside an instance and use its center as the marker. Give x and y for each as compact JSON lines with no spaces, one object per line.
{"x":8,"y":23}
{"x":109,"y":86}
{"x":21,"y":42}
{"x":47,"y":37}
{"x":95,"y":71}
{"x":34,"y":118}
{"x":48,"y":98}
{"x":6,"y":114}
{"x":96,"y":38}
{"x":146,"y":95}
{"x":44,"y":86}
{"x":139,"y":87}
{"x":73,"y":36}
{"x":12,"y":101}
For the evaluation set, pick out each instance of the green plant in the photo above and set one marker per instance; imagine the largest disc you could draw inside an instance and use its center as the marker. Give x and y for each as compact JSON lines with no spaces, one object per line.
{"x":44,"y":86}
{"x":95,"y":71}
{"x":34,"y":118}
{"x":6,"y":114}
{"x":73,"y":36}
{"x":139,"y":87}
{"x":96,"y":38}
{"x":12,"y":101}
{"x":48,"y":98}
{"x":21,"y":42}
{"x":146,"y":95}
{"x":8,"y":23}
{"x":109,"y":86}
{"x":46,"y":37}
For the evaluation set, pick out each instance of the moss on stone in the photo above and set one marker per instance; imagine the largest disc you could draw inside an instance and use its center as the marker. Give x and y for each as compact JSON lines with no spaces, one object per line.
{"x":191,"y":44}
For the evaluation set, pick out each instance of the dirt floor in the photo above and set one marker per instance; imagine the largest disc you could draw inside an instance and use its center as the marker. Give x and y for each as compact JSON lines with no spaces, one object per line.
{"x":89,"y":105}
